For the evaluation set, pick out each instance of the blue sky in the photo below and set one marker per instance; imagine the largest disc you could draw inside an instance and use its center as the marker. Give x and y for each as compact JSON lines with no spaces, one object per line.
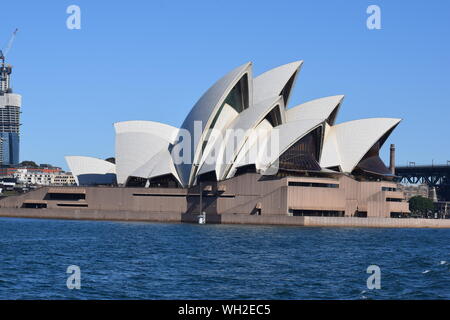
{"x":152,"y":60}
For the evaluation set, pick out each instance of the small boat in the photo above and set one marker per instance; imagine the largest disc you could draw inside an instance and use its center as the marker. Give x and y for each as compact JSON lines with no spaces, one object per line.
{"x":202,"y":218}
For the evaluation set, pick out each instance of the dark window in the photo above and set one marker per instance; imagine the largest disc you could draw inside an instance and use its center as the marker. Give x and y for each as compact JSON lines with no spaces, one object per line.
{"x":332,"y":118}
{"x":372,"y":163}
{"x":158,"y":195}
{"x":208,"y":176}
{"x":237,"y":98}
{"x":312,"y":184}
{"x":361,"y":214}
{"x":316,"y":213}
{"x":388,"y":189}
{"x":66,"y":196}
{"x":304,"y":154}
{"x":394,"y":200}
{"x":287,"y":89}
{"x":274,"y":117}
{"x":76,"y":205}
{"x":165,"y":181}
{"x":136,"y":182}
{"x":227,"y":196}
{"x":34,"y":205}
{"x":245,"y":169}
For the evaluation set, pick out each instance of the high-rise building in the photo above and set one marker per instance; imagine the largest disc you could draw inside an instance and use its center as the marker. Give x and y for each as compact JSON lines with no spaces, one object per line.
{"x":10,"y":104}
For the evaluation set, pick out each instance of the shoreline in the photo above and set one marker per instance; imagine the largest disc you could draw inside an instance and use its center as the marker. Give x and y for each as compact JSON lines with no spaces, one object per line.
{"x":177,"y":217}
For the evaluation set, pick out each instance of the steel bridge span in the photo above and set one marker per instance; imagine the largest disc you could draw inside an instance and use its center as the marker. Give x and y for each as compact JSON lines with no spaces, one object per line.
{"x":437,"y":176}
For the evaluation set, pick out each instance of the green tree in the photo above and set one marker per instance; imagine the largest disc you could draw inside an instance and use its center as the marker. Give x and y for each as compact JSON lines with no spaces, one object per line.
{"x":28,"y":163}
{"x":420,"y":205}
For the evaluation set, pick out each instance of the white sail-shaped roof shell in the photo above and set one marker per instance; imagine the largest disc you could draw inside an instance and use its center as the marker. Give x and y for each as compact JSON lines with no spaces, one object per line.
{"x":250,"y":152}
{"x":237,"y":133}
{"x":137,"y":142}
{"x":80,"y":165}
{"x":159,"y":165}
{"x":346,"y":144}
{"x":273,"y":142}
{"x":316,"y":109}
{"x":211,"y":157}
{"x":205,"y":111}
{"x":271,"y":83}
{"x":243,"y":134}
{"x":246,"y":123}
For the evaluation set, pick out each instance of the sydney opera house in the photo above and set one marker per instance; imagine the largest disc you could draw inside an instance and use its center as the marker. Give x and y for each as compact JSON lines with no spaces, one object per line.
{"x":242,"y":151}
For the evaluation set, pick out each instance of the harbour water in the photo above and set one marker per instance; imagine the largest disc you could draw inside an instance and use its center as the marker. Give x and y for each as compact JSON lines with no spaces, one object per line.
{"x":121,"y":260}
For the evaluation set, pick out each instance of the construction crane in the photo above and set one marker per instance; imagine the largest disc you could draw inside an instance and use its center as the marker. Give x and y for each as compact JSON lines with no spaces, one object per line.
{"x":5,"y":51}
{"x":5,"y":70}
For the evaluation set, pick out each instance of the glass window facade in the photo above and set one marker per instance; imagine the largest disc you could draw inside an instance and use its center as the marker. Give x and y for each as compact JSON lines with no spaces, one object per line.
{"x":9,"y":135}
{"x":304,"y":154}
{"x":9,"y":148}
{"x":371,"y":162}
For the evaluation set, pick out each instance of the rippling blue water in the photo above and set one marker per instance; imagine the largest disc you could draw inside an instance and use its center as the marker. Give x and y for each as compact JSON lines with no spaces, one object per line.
{"x":183,"y":261}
